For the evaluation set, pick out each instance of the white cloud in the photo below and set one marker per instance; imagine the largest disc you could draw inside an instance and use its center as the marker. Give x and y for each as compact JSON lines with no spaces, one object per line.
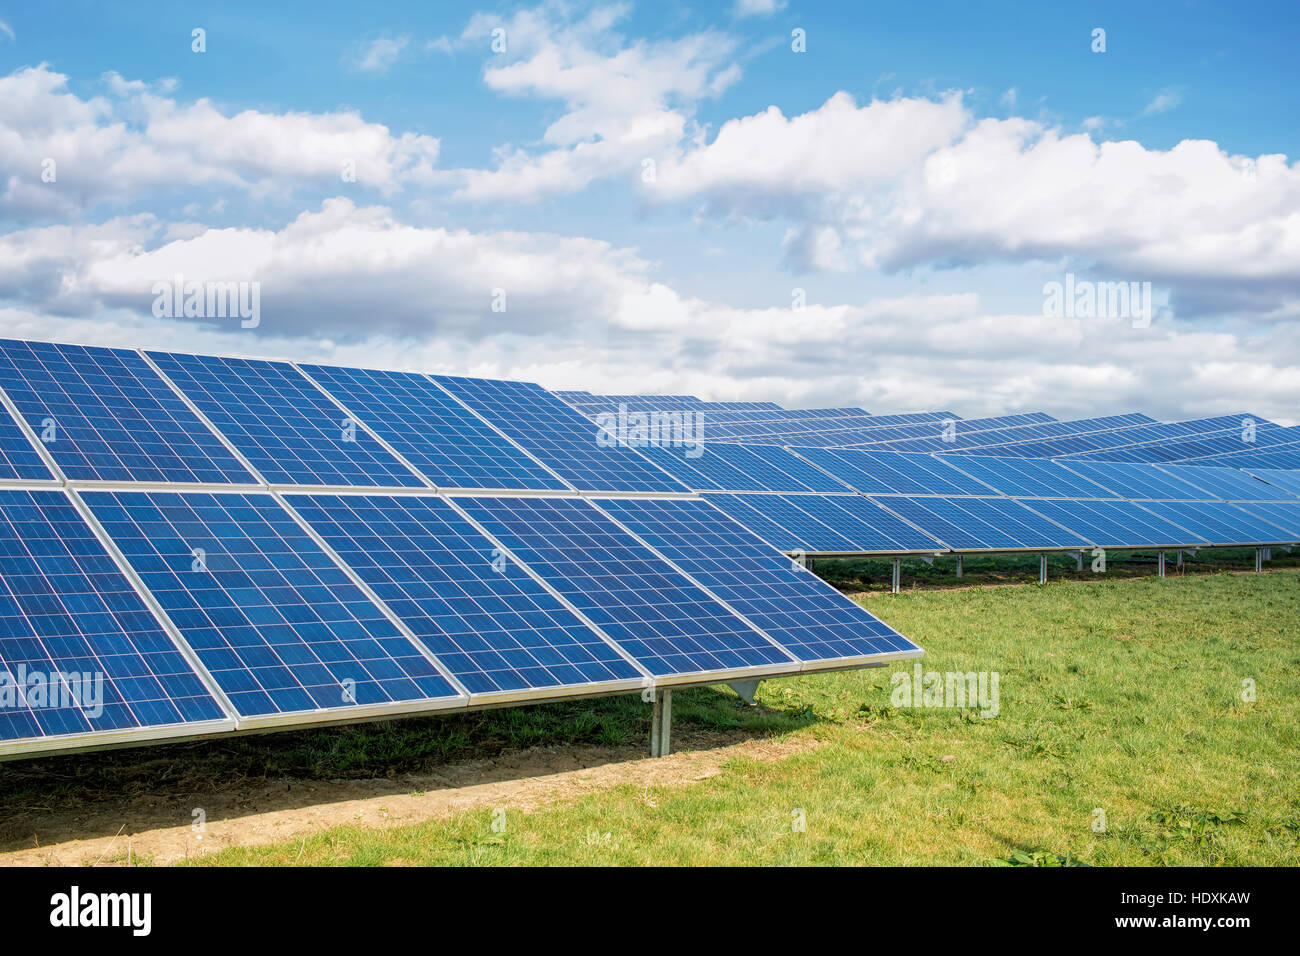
{"x":624,"y":102}
{"x":356,"y":285}
{"x":8,"y":31}
{"x":756,"y":8}
{"x":1163,"y":102}
{"x":140,"y":143}
{"x":378,"y":55}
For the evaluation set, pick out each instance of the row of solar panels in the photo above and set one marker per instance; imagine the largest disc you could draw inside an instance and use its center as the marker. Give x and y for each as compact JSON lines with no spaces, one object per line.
{"x":209,"y":612}
{"x":849,"y":501}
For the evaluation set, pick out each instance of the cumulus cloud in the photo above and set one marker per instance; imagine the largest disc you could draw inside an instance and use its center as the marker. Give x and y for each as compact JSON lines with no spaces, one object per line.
{"x":624,"y":101}
{"x":378,"y":55}
{"x":756,"y":8}
{"x":63,"y":154}
{"x":356,"y":285}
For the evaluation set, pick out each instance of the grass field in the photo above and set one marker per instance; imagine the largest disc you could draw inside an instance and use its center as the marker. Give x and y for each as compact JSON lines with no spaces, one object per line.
{"x":1121,"y":698}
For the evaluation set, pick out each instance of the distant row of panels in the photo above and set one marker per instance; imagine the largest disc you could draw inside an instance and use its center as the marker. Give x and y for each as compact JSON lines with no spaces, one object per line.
{"x":213,"y":611}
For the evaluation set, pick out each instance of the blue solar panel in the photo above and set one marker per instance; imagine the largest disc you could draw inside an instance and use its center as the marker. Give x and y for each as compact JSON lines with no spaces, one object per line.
{"x":800,"y":530}
{"x":1218,"y":522}
{"x":1228,"y":483}
{"x":700,"y":471}
{"x":870,"y":527}
{"x":1115,"y":524}
{"x":445,"y":442}
{"x":1028,"y":477}
{"x":802,"y":613}
{"x":579,"y":451}
{"x":274,"y":620}
{"x":486,"y":619}
{"x":1138,"y":481}
{"x":981,"y":524}
{"x":1284,"y":514}
{"x":19,"y":460}
{"x":658,"y":616}
{"x":291,"y":432}
{"x":105,"y":415}
{"x":894,"y":472}
{"x":67,"y":609}
{"x":1282,"y":478}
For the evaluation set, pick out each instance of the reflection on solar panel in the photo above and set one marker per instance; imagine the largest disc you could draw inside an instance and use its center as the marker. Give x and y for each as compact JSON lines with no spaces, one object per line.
{"x":1028,"y":477}
{"x":981,"y":524}
{"x":559,"y":437}
{"x":1115,"y":524}
{"x":1218,"y":522}
{"x":70,"y":618}
{"x":482,"y":615}
{"x":1228,"y":483}
{"x":1137,"y":481}
{"x":291,"y":432}
{"x":105,"y":415}
{"x":446,"y":442}
{"x":281,"y":629}
{"x":802,"y":613}
{"x":893,"y":472}
{"x":658,"y":616}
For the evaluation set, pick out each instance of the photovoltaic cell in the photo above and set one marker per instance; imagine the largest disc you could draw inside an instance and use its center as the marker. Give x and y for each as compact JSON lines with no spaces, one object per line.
{"x":105,"y":415}
{"x":980,"y":524}
{"x":1138,"y":481}
{"x":1284,"y":514}
{"x":654,"y":613}
{"x":486,"y":619}
{"x":770,"y":468}
{"x":283,"y":424}
{"x":277,"y":624}
{"x":760,"y":524}
{"x":870,"y":527}
{"x":578,"y":450}
{"x":805,"y":615}
{"x":894,"y":472}
{"x":1280,"y":478}
{"x":67,"y":609}
{"x":447,"y":443}
{"x":1228,"y":483}
{"x":19,"y":461}
{"x":1218,"y":522}
{"x":812,"y":535}
{"x":1115,"y":524}
{"x":1028,"y":477}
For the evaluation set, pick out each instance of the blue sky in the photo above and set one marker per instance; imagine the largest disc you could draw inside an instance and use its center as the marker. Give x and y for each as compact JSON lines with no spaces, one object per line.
{"x":919,"y":173}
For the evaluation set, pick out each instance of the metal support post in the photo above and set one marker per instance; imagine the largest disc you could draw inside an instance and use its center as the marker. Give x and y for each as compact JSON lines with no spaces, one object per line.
{"x":1042,"y":568}
{"x":661,"y":724}
{"x":959,"y":567}
{"x":1160,"y":563}
{"x":897,"y":574}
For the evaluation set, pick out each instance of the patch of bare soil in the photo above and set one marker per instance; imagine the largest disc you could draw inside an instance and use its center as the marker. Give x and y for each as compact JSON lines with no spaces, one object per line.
{"x":160,"y":827}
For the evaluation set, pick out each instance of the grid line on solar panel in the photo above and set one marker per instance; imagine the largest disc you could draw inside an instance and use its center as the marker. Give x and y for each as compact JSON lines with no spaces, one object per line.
{"x":278,"y":625}
{"x":894,"y":472}
{"x":1218,"y":522}
{"x":657,"y":615}
{"x":105,"y":415}
{"x":803,"y":614}
{"x":869,"y":526}
{"x":578,"y":450}
{"x":1284,"y":514}
{"x":67,"y":609}
{"x":481,"y":614}
{"x":779,"y":537}
{"x":1283,"y":478}
{"x":1115,"y":524}
{"x":287,"y":429}
{"x":435,"y":433}
{"x":20,"y":460}
{"x":1229,"y":484}
{"x":818,"y":536}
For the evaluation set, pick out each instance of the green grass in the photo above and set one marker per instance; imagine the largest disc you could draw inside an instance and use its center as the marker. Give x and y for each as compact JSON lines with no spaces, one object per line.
{"x":1119,"y":696}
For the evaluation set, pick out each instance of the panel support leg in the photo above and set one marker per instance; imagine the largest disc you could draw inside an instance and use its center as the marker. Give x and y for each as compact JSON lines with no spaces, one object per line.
{"x":1180,"y":560}
{"x":1259,"y":559}
{"x":898,"y":573}
{"x":959,"y":567}
{"x":746,"y":690}
{"x":1042,"y":568}
{"x":1080,"y":560}
{"x":1160,"y":563}
{"x":661,"y":724}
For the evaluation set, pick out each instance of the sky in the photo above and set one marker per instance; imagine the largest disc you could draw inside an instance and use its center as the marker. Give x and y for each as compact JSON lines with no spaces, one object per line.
{"x":815,"y":204}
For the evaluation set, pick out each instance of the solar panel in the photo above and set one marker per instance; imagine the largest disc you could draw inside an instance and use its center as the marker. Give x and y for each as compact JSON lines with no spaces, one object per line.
{"x":870,"y":527}
{"x":1028,"y":477}
{"x":1218,"y":522}
{"x":981,"y":524}
{"x":1279,"y":478}
{"x":445,"y":442}
{"x":79,"y":650}
{"x":578,"y":450}
{"x":662,"y":619}
{"x":281,"y":629}
{"x":291,"y":432}
{"x":19,"y":460}
{"x":802,"y":613}
{"x":488,"y":622}
{"x":796,"y":526}
{"x":1228,"y":483}
{"x":1139,"y":481}
{"x":1284,"y":514}
{"x":105,"y":415}
{"x":897,"y":473}
{"x":1115,"y":524}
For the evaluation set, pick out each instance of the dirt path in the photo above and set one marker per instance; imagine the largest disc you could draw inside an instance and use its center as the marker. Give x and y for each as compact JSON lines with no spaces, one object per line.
{"x":159,"y":827}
